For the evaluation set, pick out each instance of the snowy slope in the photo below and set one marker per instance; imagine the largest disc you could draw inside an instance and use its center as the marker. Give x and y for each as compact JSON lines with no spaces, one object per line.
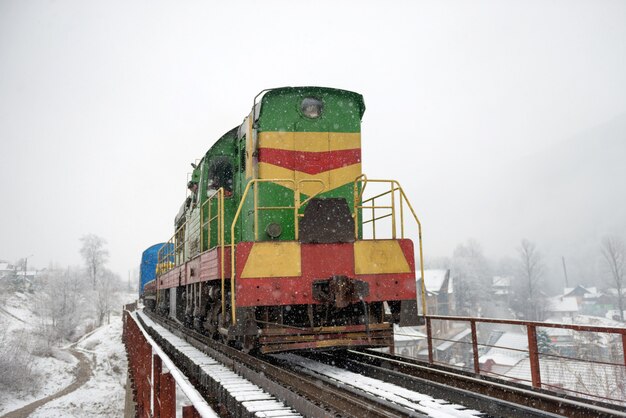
{"x":102,"y":395}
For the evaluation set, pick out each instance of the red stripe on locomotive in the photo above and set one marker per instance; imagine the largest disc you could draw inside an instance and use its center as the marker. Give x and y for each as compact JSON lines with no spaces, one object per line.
{"x":310,"y":162}
{"x":320,"y":262}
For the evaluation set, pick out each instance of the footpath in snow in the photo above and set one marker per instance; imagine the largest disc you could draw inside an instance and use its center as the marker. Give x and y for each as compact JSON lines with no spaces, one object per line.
{"x":85,"y":379}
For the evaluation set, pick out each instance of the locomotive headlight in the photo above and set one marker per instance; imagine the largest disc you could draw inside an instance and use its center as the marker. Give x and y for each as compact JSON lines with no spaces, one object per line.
{"x":311,"y":107}
{"x":273,"y":230}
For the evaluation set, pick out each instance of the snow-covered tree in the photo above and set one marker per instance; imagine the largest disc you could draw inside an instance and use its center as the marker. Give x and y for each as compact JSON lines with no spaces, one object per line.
{"x":105,"y":283}
{"x":106,"y":295}
{"x":94,"y":254}
{"x":16,"y":368}
{"x":61,"y":303}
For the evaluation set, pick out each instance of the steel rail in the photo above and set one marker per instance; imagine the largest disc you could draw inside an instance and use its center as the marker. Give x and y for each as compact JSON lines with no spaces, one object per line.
{"x":463,"y":387}
{"x":304,"y":393}
{"x":402,"y":410}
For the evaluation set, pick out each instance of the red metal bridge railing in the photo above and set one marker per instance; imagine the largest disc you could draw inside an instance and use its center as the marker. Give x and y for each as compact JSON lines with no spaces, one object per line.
{"x":155,"y":378}
{"x":581,"y":360}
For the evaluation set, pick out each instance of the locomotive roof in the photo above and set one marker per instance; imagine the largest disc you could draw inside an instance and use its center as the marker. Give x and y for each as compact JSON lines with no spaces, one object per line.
{"x":229,"y":136}
{"x":312,"y":90}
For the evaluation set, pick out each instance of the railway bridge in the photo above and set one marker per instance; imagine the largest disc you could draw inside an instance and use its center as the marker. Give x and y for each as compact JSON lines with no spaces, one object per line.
{"x":176,"y":372}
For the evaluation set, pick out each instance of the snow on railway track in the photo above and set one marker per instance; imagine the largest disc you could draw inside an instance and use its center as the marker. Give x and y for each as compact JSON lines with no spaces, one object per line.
{"x":309,"y":395}
{"x":411,"y":400}
{"x":240,"y":393}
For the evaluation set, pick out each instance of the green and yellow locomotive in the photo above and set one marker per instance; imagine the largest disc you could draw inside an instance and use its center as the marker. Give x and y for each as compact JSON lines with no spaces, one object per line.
{"x":277,"y":246}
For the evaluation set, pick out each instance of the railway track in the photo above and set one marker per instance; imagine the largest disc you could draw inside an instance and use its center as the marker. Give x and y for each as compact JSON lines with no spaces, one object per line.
{"x":304,"y":394}
{"x":367,"y":384}
{"x":492,"y":396}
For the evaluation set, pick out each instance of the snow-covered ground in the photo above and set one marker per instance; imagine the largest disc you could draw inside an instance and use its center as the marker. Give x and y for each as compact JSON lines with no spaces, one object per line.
{"x":53,"y":371}
{"x":56,"y":373}
{"x":55,"y":368}
{"x":103,"y":394}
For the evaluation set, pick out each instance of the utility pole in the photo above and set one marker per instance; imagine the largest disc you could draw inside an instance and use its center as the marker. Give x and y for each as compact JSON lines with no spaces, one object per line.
{"x":565,"y":271}
{"x":25,"y":278}
{"x":26,"y":264}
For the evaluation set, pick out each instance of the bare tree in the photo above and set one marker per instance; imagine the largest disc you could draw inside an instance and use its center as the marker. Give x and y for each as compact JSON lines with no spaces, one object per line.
{"x":61,"y":302}
{"x":107,"y":288}
{"x":528,"y":297}
{"x":16,"y":367}
{"x":94,"y":254}
{"x":472,"y":277}
{"x":614,"y":253}
{"x":6,"y":287}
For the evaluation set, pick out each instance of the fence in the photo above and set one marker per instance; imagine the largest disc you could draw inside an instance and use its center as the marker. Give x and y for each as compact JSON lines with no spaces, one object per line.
{"x":155,"y":378}
{"x":581,"y":360}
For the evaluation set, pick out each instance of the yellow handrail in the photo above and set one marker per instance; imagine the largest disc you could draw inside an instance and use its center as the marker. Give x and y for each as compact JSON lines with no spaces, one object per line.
{"x":169,"y":250}
{"x":394,"y":187}
{"x":173,"y":253}
{"x":232,"y":237}
{"x":296,"y":208}
{"x":219,"y":195}
{"x":219,"y":218}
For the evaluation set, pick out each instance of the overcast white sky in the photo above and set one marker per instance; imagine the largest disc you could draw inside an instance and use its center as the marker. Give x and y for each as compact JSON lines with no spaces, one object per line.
{"x":103,"y":105}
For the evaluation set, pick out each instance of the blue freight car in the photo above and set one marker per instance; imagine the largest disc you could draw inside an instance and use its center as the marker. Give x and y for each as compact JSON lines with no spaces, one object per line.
{"x":149,"y":261}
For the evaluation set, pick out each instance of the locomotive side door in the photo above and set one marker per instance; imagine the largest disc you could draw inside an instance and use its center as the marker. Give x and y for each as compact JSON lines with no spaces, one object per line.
{"x":246,"y":156}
